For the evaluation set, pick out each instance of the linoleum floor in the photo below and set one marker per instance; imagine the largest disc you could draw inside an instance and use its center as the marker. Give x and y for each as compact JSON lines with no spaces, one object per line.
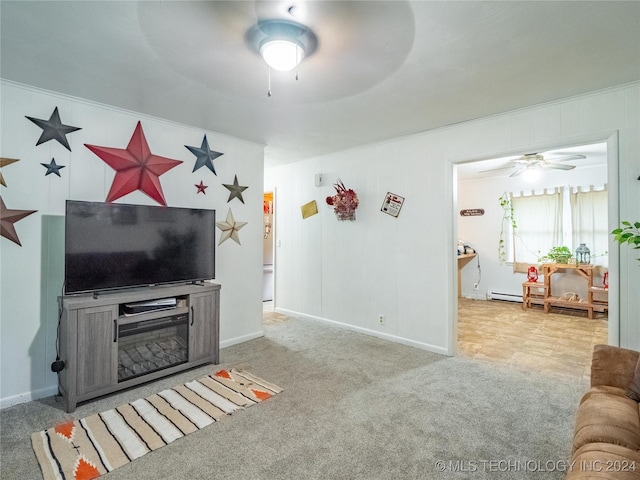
{"x":557,"y":343}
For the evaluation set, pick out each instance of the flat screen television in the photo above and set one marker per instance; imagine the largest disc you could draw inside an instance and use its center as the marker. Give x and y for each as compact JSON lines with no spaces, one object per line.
{"x":113,"y":246}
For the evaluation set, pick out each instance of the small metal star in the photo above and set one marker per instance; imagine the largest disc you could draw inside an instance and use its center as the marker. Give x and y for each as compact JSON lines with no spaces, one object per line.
{"x":235,"y":190}
{"x":230,"y":228}
{"x":52,"y":167}
{"x":3,"y":163}
{"x":204,"y":156}
{"x":201,"y":188}
{"x":54,"y":129}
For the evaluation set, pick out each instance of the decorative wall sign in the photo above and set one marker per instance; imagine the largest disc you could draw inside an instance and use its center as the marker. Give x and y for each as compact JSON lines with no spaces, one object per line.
{"x":309,"y":209}
{"x":472,"y":212}
{"x":235,"y":190}
{"x":204,"y":156}
{"x":201,"y":188}
{"x":8,"y":218}
{"x":392,"y":204}
{"x":136,"y":167}
{"x":3,"y":163}
{"x":52,"y":167}
{"x":230,"y":229}
{"x":54,"y":129}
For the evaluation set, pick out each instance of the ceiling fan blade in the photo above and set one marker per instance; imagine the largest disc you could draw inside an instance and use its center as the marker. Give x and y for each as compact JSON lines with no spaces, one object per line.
{"x":518,"y":171}
{"x":499,"y":169}
{"x":557,"y":166}
{"x":566,"y":158}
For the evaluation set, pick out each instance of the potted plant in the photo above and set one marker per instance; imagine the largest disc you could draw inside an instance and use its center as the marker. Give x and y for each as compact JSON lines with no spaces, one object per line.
{"x":557,"y":255}
{"x":628,"y":233}
{"x":507,"y":218}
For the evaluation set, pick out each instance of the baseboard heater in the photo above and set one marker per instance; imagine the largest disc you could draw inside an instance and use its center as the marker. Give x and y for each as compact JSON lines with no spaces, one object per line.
{"x":507,"y":297}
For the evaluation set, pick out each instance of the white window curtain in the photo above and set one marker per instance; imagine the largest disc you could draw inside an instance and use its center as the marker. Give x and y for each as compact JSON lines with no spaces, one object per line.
{"x":589,"y":225}
{"x":539,"y":224}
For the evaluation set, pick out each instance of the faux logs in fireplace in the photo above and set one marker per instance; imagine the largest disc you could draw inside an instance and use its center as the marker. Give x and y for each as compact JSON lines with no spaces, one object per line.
{"x":151,"y":345}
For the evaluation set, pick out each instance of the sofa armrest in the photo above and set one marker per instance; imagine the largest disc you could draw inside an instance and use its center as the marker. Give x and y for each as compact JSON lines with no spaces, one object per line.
{"x":613,"y":366}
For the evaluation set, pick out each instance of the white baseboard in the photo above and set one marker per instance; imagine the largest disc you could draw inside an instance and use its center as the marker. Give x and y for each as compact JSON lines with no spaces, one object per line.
{"x":53,"y":390}
{"x":28,"y":397}
{"x":475,"y":296}
{"x":241,"y":339}
{"x":366,"y":331}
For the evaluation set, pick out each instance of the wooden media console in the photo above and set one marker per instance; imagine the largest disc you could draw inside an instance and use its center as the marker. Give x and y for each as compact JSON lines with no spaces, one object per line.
{"x":107,"y":348}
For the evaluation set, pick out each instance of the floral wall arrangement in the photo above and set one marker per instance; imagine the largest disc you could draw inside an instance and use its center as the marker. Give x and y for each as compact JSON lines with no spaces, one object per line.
{"x":344,"y":202}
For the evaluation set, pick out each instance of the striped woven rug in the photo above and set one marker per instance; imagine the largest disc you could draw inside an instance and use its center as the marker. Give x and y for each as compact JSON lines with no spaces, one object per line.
{"x":90,"y":447}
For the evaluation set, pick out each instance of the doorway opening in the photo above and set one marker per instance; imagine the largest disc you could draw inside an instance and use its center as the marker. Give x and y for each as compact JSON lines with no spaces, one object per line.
{"x":268,"y":249}
{"x":504,"y":331}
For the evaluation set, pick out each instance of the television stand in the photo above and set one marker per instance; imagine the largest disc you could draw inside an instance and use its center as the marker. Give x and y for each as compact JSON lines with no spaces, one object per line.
{"x":105,"y":349}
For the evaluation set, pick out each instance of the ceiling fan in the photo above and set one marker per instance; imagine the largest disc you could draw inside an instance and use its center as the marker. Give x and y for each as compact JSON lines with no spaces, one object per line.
{"x":531,"y":161}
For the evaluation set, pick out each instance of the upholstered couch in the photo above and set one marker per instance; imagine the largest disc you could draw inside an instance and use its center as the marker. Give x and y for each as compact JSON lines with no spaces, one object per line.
{"x":606,"y":441}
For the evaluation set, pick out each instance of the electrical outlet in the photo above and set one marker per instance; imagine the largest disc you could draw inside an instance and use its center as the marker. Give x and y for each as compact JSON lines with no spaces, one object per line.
{"x":381,"y":319}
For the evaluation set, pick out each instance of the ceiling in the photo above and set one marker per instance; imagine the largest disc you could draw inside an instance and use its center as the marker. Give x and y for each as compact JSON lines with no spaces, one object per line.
{"x":381,"y":69}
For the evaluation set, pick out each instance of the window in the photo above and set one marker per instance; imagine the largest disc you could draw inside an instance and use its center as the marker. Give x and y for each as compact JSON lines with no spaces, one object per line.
{"x":589,"y":225}
{"x":539,"y":224}
{"x":563,"y":216}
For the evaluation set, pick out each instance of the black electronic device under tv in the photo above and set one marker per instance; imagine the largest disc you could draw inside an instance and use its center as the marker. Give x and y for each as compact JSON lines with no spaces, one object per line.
{"x":112,"y":246}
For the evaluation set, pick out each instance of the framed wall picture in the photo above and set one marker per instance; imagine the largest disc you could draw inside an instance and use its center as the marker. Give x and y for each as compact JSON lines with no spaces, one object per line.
{"x":309,"y":209}
{"x":392,"y":204}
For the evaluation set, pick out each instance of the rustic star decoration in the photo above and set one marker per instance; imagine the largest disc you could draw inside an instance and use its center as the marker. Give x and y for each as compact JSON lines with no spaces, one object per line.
{"x":136,"y":167}
{"x":54,"y":129}
{"x":201,"y":188}
{"x":52,"y":167}
{"x":8,"y":218}
{"x":204,"y":156}
{"x":3,"y":163}
{"x":235,"y":190}
{"x":230,"y":229}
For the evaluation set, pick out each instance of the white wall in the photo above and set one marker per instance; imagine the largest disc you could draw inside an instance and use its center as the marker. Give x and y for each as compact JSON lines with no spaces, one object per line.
{"x":482,"y":232}
{"x":405,"y":268}
{"x":32,"y":275}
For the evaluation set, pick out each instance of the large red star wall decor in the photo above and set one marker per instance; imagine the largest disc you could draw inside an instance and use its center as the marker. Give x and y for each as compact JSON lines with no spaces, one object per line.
{"x":136,"y":167}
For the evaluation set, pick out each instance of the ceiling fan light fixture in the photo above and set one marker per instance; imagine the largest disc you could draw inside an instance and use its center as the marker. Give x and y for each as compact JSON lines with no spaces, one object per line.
{"x":282,"y":44}
{"x":282,"y":55}
{"x":531,"y":174}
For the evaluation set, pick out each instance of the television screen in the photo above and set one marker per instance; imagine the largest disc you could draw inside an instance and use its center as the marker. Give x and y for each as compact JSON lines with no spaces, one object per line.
{"x":110,"y":245}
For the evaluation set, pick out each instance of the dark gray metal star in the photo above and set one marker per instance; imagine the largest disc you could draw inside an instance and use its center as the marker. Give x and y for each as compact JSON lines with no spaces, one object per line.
{"x":235,"y":190}
{"x":52,"y":167}
{"x":54,"y":129}
{"x":204,"y":156}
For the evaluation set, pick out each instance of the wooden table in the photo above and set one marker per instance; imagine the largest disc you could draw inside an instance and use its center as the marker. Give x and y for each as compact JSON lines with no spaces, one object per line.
{"x":463,"y":259}
{"x":533,"y":292}
{"x":586,"y":272}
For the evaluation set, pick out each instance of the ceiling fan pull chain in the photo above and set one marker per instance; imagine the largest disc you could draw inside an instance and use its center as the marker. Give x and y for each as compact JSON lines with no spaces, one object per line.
{"x":269,"y":90}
